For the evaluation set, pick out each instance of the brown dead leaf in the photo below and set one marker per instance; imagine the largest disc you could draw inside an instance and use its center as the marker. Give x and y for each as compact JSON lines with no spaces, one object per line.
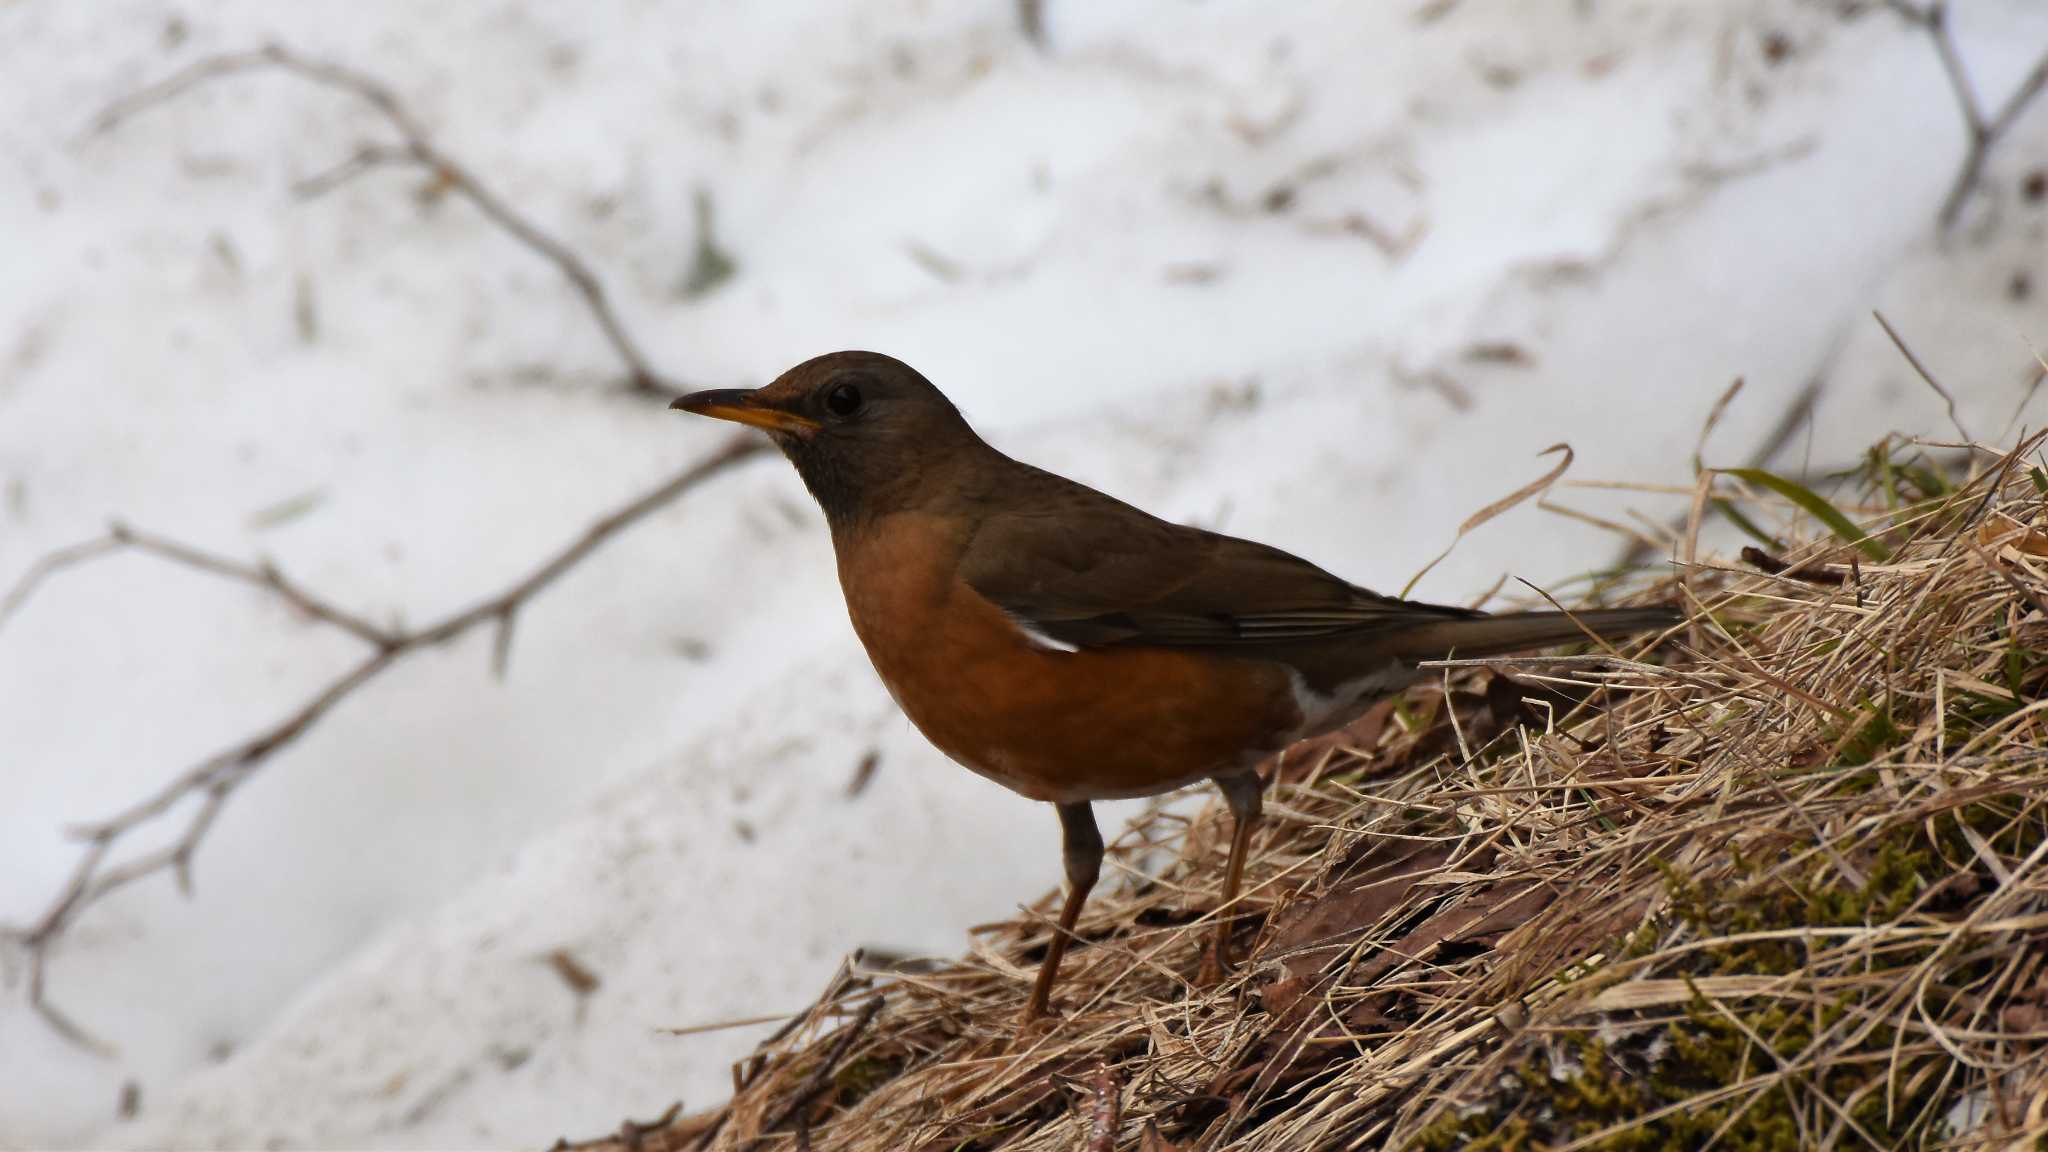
{"x":1374,"y":880}
{"x":1998,"y":532}
{"x":1307,"y":935}
{"x":2024,"y":1016}
{"x":1280,"y":997}
{"x":1481,"y":918}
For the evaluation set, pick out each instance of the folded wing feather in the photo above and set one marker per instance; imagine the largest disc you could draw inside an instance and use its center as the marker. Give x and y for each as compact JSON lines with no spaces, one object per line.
{"x":1087,"y":570}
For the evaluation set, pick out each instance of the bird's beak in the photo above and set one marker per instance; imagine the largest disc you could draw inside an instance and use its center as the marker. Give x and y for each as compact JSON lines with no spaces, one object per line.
{"x":746,"y":407}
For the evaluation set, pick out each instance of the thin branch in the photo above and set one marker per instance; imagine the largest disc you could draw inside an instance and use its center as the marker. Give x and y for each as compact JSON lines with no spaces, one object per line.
{"x":1926,"y":376}
{"x":1936,"y":23}
{"x":49,"y":566}
{"x":1105,"y":1117}
{"x":1984,"y":130}
{"x":176,"y":85}
{"x":366,"y":158}
{"x":263,"y":575}
{"x":207,"y":786}
{"x":417,"y":148}
{"x":213,"y":780}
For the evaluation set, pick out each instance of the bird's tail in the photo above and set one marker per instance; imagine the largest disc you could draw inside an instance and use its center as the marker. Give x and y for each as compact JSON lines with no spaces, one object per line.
{"x":1479,"y":636}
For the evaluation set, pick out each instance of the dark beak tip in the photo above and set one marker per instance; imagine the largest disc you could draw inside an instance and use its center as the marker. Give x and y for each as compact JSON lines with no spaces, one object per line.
{"x":681,"y":404}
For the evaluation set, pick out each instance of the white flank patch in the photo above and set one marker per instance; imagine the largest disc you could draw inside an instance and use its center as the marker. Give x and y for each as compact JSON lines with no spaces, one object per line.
{"x":1041,"y":640}
{"x":1314,"y":705}
{"x":1322,"y":712}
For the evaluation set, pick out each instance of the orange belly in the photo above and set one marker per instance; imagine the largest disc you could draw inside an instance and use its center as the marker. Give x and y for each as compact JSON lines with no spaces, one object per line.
{"x":1060,"y":726}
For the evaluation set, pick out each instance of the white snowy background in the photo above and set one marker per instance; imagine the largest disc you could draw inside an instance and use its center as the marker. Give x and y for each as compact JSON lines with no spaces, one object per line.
{"x":1136,"y":256}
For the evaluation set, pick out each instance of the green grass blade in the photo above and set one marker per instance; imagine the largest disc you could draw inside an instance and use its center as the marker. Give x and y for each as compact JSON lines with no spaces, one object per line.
{"x":1816,"y":507}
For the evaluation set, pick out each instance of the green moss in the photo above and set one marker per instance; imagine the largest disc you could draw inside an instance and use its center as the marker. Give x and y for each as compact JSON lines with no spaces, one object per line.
{"x":1610,"y":1093}
{"x":860,"y":1077}
{"x":1874,"y":734}
{"x":1709,"y":1047}
{"x":2025,"y":674}
{"x":1604,"y":1096}
{"x":1880,"y":727}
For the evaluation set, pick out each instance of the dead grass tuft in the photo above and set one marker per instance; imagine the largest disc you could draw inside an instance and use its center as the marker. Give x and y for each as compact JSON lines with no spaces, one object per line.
{"x":1774,"y":882}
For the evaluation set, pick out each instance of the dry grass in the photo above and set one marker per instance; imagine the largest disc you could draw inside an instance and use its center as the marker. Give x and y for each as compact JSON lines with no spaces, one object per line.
{"x":1777,"y":883}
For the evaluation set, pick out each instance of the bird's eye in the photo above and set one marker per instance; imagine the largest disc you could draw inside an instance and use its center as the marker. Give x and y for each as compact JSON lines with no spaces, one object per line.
{"x":843,"y":400}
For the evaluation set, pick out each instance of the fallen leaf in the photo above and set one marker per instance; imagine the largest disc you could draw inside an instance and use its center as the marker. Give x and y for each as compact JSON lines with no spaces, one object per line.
{"x":1998,"y":532}
{"x":2022,"y":1017}
{"x":1280,"y":997}
{"x":1364,"y":890}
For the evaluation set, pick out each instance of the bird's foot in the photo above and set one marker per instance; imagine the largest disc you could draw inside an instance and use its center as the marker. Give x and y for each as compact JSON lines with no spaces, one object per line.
{"x":1217,"y":963}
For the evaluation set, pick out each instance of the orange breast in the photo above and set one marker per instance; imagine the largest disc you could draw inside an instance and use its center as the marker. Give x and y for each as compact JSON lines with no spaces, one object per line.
{"x":1061,"y":726}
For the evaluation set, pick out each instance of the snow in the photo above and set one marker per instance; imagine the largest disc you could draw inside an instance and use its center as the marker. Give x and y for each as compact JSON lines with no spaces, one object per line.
{"x":1074,"y":243}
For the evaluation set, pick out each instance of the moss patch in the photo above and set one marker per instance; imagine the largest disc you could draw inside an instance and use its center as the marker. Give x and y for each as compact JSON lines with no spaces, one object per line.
{"x":1732,"y":1071}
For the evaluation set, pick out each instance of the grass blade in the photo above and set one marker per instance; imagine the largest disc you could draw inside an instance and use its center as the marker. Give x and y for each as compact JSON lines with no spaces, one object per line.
{"x":1816,"y":507}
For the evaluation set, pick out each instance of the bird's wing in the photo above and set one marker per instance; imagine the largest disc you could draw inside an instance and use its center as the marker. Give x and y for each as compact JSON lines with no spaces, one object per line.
{"x":1082,"y":569}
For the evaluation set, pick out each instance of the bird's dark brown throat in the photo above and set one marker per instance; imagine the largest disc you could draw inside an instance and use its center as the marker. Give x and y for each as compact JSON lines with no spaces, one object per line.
{"x":1073,"y":648}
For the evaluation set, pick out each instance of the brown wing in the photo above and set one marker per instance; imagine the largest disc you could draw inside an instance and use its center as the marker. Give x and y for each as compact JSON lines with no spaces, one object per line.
{"x":1087,"y":570}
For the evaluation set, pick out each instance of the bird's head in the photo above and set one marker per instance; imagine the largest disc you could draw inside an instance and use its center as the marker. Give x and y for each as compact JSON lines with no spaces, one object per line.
{"x":867,"y":432}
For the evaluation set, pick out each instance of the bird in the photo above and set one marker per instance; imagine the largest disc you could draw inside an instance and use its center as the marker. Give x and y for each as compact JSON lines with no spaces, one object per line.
{"x":1074,"y":648}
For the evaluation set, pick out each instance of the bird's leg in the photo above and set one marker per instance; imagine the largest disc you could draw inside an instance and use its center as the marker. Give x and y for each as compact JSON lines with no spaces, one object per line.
{"x":1243,"y":794}
{"x":1081,"y":845}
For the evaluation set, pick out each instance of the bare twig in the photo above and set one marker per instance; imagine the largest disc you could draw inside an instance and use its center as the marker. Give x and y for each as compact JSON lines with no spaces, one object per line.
{"x":213,"y":780}
{"x":205,"y":787}
{"x":1771,"y":565}
{"x":364,"y":159}
{"x":50,"y":565}
{"x":1947,"y":398}
{"x":1280,"y":199}
{"x":121,"y":537}
{"x":1984,"y":129}
{"x":416,"y":149}
{"x":1107,"y":1112}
